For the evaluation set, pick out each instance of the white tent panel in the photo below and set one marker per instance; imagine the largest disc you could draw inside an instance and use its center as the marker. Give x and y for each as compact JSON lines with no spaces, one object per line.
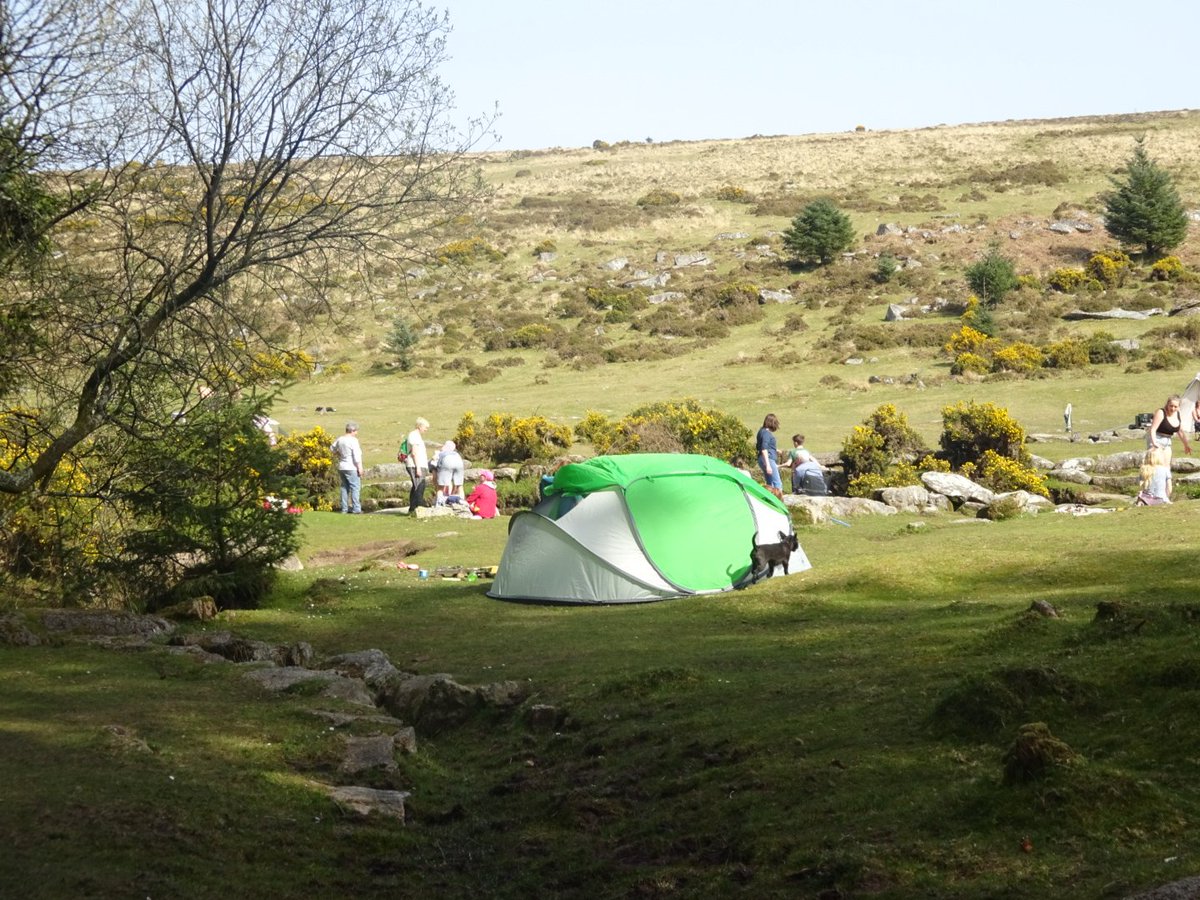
{"x":769,"y":522}
{"x":600,"y":522}
{"x":541,"y":562}
{"x":1187,"y":404}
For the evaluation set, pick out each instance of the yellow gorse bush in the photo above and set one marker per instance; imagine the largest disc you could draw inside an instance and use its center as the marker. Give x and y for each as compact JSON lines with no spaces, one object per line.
{"x":1003,"y":474}
{"x":967,"y":340}
{"x":1109,"y":267}
{"x":467,"y":250}
{"x":1169,"y":268}
{"x":310,"y":464}
{"x":1018,"y":357}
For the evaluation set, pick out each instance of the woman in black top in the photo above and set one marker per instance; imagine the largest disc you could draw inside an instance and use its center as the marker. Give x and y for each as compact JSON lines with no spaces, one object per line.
{"x":1166,"y":423}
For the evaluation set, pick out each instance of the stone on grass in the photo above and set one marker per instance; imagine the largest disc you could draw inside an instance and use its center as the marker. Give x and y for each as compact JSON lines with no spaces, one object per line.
{"x":336,"y":687}
{"x":365,"y":801}
{"x":360,"y":754}
{"x":15,"y":633}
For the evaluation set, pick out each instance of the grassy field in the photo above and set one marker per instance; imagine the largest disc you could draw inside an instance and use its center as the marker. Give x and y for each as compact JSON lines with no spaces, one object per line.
{"x":838,"y":733}
{"x":835,"y":733}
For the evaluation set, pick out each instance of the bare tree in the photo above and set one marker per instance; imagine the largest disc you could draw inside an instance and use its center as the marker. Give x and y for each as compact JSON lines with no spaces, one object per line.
{"x":215,"y":166}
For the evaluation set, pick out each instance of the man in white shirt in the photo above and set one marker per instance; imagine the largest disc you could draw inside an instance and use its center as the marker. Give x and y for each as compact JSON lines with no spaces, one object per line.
{"x":418,"y":465}
{"x":348,"y":453}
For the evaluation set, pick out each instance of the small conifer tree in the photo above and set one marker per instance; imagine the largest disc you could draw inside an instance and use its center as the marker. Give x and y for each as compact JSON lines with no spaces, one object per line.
{"x":1145,"y":209}
{"x":992,"y":277}
{"x":819,"y":233}
{"x":401,"y":342}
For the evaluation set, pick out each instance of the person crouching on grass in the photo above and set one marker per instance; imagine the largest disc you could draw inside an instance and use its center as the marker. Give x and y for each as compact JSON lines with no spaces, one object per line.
{"x":482,"y":500}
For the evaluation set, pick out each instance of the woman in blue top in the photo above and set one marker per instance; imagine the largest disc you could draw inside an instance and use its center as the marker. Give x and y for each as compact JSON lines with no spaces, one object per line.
{"x":768,"y":454}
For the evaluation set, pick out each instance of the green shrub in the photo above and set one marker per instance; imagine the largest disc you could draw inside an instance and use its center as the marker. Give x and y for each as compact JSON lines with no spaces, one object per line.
{"x":669,"y":426}
{"x":1043,"y":172}
{"x":546,"y":246}
{"x":481,"y":374}
{"x":1071,"y":353}
{"x":659,"y":197}
{"x":979,"y":317}
{"x":1166,"y":359}
{"x":532,"y":335}
{"x":733,"y":194}
{"x":203,"y":522}
{"x":1102,"y":349}
{"x":598,"y":430}
{"x":624,"y":301}
{"x":899,"y":438}
{"x":886,"y":268}
{"x":516,"y":495}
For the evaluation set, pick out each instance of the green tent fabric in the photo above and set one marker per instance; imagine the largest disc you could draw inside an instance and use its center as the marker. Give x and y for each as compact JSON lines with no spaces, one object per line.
{"x":641,"y":527}
{"x":602,"y":472}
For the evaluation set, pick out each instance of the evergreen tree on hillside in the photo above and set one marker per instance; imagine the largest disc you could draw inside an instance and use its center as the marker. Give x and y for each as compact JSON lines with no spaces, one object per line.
{"x":992,"y":277}
{"x":1145,"y":208}
{"x":819,"y":233}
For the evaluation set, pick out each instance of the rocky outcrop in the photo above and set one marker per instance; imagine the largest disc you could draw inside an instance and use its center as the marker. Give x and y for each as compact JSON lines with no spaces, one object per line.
{"x":104,"y":623}
{"x":957,"y":488}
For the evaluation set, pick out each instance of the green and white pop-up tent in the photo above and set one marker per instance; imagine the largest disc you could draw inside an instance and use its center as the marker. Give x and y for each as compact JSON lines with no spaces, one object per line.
{"x":637,"y":528}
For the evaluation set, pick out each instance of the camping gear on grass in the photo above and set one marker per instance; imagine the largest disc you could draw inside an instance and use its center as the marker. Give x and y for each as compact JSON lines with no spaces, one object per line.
{"x":638,"y":528}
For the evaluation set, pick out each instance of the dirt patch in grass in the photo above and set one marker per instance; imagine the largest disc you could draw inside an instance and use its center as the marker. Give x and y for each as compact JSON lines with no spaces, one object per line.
{"x":375,"y":551}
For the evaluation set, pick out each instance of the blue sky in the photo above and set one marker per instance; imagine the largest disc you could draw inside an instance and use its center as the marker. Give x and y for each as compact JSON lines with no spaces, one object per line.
{"x":567,"y":73}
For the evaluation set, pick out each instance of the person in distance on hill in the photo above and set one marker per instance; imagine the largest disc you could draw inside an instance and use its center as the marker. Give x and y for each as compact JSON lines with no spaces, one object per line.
{"x":768,"y":454}
{"x":348,"y":453}
{"x":417,"y":465}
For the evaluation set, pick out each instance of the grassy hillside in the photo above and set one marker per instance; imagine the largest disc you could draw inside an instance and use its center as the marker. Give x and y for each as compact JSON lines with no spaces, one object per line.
{"x":964,"y":187}
{"x":844,"y":732}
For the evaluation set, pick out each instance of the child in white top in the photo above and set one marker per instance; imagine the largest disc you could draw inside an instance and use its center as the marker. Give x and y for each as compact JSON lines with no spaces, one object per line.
{"x":1157,"y":485}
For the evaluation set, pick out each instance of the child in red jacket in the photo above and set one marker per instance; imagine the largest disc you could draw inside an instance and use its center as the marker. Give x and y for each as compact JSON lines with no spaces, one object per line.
{"x":482,"y":500}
